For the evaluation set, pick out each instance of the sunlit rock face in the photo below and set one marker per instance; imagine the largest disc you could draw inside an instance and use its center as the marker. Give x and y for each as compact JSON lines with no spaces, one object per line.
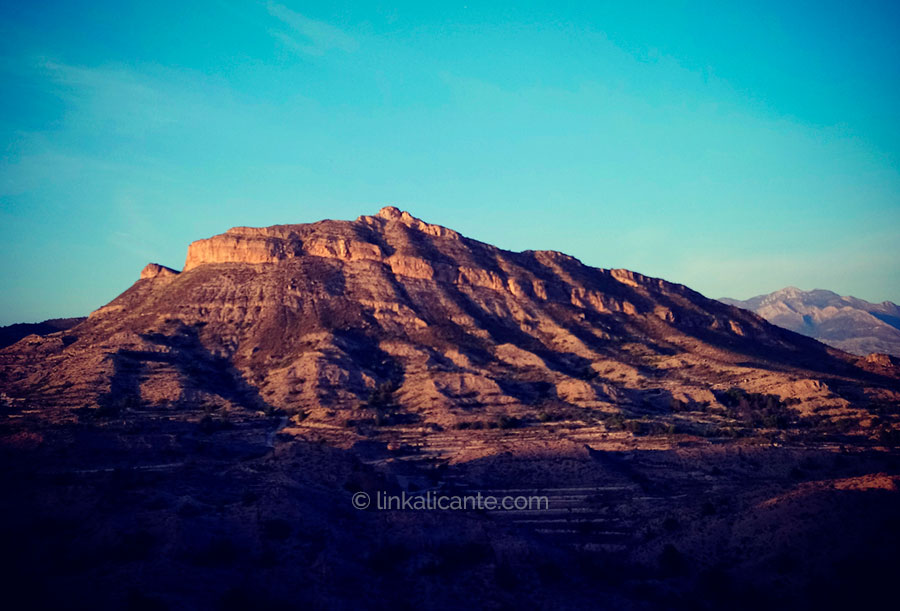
{"x":315,"y":318}
{"x":155,"y":270}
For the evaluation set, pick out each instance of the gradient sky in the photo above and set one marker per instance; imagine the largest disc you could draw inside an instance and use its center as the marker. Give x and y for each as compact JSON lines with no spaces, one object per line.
{"x":736,"y":150}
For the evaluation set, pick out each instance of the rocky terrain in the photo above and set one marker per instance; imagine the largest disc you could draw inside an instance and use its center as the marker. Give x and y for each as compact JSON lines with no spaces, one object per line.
{"x":195,"y":443}
{"x":848,"y":323}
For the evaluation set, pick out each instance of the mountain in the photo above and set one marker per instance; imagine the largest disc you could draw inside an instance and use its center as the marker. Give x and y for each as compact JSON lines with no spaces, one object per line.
{"x":848,"y":323}
{"x":334,"y":319}
{"x":224,"y":437}
{"x":10,"y":334}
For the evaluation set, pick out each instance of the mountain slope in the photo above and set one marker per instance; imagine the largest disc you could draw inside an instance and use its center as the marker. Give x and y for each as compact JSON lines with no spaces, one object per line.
{"x":389,"y":319}
{"x":848,"y":323}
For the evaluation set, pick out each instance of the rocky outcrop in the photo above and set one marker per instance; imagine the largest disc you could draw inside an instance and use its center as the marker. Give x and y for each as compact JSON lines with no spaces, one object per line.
{"x":882,"y":363}
{"x":882,"y":360}
{"x":241,"y":245}
{"x":390,"y":213}
{"x":155,"y":270}
{"x":343,"y":249}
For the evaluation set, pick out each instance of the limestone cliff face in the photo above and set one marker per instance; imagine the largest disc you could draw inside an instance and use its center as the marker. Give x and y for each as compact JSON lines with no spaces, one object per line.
{"x":273,"y":244}
{"x":389,"y":312}
{"x":242,"y":245}
{"x":389,"y":238}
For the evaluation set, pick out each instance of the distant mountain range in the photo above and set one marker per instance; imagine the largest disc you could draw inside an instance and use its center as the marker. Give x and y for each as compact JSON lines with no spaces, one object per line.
{"x":12,"y":333}
{"x":848,"y":323}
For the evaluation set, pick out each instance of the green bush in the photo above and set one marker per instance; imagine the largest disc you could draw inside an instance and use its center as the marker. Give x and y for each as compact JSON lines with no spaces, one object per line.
{"x":758,"y":410}
{"x":889,"y":437}
{"x":382,"y":395}
{"x":615,"y":422}
{"x":587,"y":373}
{"x":636,"y":427}
{"x":508,"y":422}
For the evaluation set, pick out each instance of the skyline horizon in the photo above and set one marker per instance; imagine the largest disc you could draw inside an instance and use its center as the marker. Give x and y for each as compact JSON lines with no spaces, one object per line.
{"x":179,"y":268}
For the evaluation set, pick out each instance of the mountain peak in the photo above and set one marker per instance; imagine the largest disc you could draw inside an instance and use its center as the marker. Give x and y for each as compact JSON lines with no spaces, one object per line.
{"x":392,"y":213}
{"x":790,"y":290}
{"x":845,"y":322}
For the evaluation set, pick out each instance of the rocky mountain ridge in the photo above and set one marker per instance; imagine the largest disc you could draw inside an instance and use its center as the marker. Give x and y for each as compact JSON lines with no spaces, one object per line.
{"x":848,"y":323}
{"x":391,"y":319}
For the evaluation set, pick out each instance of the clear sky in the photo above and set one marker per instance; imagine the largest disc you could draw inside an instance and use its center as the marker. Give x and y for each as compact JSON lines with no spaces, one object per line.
{"x":734,"y":149}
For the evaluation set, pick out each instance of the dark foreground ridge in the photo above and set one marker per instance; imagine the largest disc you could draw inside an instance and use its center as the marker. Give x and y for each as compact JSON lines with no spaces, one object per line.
{"x":10,"y":334}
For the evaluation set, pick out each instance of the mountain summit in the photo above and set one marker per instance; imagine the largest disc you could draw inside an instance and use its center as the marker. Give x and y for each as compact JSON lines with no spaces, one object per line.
{"x":848,"y":323}
{"x":393,"y":316}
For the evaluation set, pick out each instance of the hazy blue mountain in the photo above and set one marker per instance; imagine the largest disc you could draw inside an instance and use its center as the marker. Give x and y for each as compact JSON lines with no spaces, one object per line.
{"x":847,"y":323}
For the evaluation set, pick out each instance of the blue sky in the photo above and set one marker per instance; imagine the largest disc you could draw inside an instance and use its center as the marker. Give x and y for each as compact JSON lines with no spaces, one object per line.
{"x":734,"y":149}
